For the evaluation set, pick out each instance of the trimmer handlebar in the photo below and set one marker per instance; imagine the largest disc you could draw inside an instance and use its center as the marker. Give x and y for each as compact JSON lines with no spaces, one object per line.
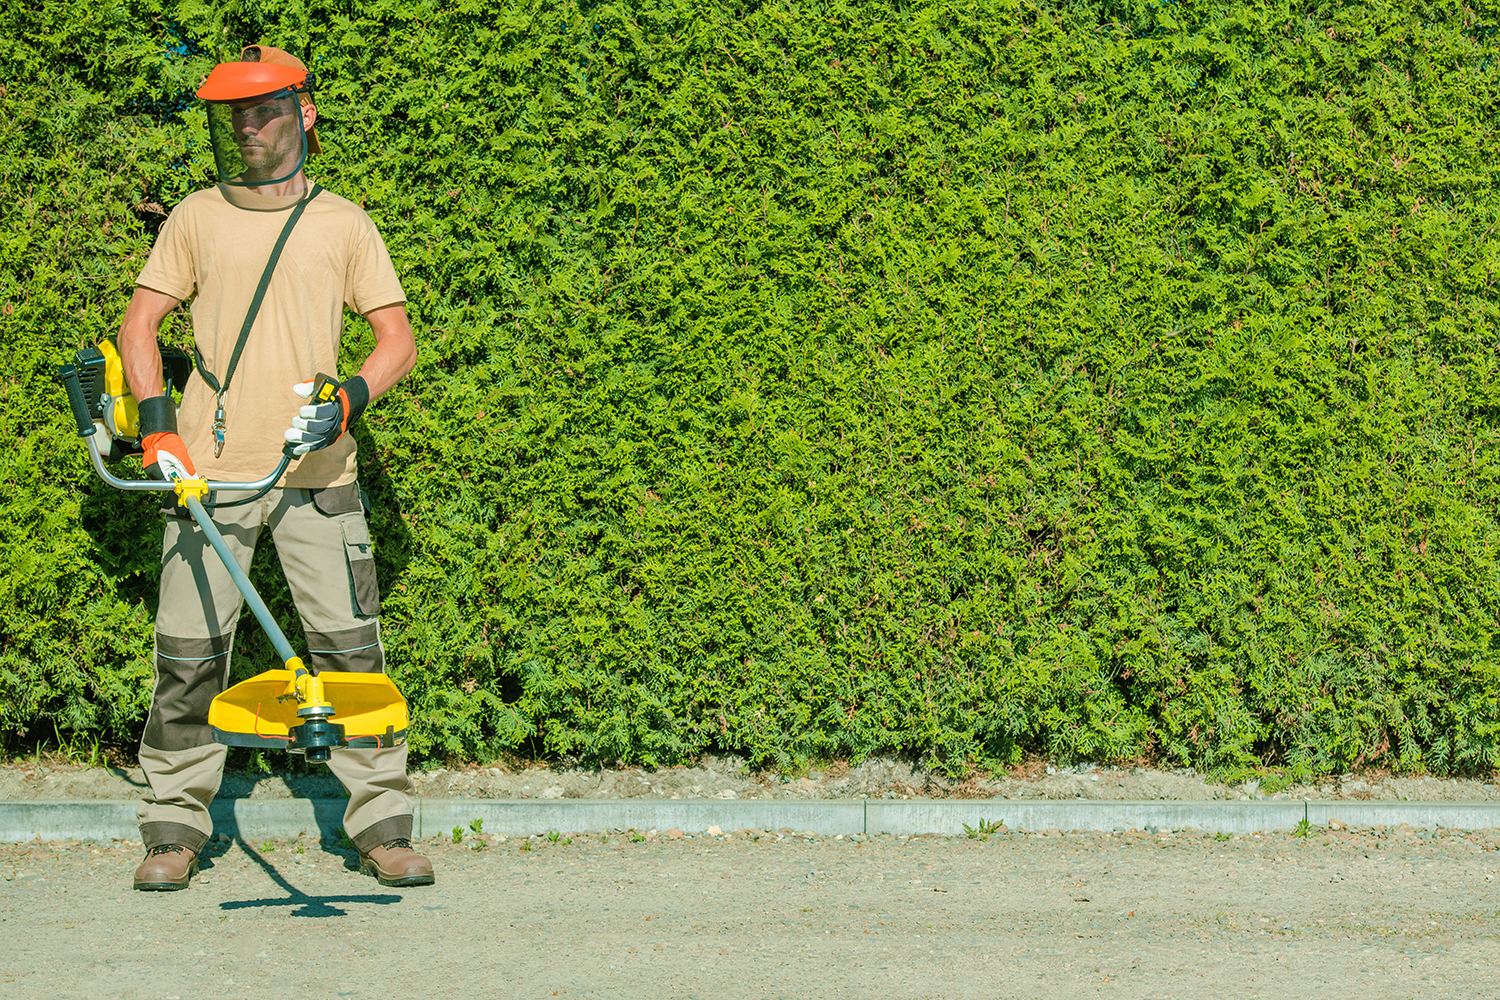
{"x":68,"y":376}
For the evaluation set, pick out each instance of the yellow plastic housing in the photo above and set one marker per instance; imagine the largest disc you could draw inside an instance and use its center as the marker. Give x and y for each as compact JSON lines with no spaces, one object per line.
{"x":122,"y":418}
{"x":195,"y":488}
{"x":261,"y":711}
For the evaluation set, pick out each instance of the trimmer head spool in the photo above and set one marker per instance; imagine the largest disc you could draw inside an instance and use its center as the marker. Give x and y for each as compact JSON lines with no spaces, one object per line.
{"x":317,"y":738}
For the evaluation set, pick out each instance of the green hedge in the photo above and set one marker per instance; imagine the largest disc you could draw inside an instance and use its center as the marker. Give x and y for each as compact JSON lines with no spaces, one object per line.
{"x":969,"y":378}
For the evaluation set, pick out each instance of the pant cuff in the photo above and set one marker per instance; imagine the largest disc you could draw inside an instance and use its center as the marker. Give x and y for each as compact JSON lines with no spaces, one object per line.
{"x":383,"y":832}
{"x":157,"y":834}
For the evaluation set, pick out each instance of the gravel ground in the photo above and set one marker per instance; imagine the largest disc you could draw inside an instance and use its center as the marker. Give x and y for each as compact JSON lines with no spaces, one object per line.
{"x":756,"y":914}
{"x":728,"y":777}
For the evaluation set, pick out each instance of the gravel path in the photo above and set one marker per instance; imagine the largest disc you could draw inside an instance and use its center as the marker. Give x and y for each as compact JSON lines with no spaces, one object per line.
{"x":1391,"y":914}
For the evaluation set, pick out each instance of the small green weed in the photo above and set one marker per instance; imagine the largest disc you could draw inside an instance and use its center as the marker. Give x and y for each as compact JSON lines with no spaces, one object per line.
{"x":1221,"y":836}
{"x":80,"y":749}
{"x":1304,"y":827}
{"x":343,"y":838}
{"x":637,"y":838}
{"x":984,"y":829}
{"x":555,"y":837}
{"x":458,"y":834}
{"x":525,"y":845}
{"x":477,"y":824}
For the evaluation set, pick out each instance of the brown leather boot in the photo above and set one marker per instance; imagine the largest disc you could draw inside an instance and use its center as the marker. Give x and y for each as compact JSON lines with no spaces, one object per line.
{"x":167,"y":868}
{"x":395,"y":863}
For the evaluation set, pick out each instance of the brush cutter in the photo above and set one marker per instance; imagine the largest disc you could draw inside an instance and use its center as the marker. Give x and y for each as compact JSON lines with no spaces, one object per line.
{"x":288,"y":709}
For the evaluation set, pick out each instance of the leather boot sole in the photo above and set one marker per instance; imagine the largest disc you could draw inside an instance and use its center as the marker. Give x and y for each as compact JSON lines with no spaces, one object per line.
{"x":368,"y":867}
{"x":169,"y":886}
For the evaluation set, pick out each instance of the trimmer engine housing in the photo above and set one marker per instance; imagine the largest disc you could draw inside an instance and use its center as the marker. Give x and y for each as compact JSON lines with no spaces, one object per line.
{"x":101,"y":375}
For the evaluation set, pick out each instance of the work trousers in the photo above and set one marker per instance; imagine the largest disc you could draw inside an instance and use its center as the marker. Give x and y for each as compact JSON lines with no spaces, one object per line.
{"x":326,"y":553}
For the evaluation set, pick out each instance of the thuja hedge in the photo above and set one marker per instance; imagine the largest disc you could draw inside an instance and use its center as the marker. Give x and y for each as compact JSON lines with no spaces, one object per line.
{"x":1108,"y":379}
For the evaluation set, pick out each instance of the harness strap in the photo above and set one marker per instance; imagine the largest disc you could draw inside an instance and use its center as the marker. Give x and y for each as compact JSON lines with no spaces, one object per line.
{"x":260,"y":294}
{"x":254,"y":310}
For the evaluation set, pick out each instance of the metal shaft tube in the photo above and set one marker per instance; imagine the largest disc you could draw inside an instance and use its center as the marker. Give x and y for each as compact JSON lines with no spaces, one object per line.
{"x":258,"y":606}
{"x":148,"y":485}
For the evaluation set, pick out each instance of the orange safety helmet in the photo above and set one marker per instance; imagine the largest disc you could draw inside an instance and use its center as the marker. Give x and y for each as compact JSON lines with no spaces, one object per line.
{"x":252,"y":107}
{"x":238,"y":81}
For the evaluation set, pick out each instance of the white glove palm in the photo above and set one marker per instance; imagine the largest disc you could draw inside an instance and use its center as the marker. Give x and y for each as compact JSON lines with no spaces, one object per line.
{"x":172,"y":467}
{"x":316,"y":425}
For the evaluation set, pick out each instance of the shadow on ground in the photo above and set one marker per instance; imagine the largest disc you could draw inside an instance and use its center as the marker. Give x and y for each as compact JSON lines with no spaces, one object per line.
{"x":304,"y":905}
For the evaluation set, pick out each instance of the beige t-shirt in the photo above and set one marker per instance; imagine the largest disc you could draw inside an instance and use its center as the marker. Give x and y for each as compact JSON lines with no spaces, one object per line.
{"x":211,"y":251}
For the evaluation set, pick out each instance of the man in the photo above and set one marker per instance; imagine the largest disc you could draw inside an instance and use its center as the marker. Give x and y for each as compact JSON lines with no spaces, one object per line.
{"x":255,"y":366}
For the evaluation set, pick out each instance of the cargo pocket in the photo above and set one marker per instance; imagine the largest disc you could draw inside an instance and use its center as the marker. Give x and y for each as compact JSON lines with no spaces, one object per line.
{"x":337,"y":500}
{"x":361,"y":555}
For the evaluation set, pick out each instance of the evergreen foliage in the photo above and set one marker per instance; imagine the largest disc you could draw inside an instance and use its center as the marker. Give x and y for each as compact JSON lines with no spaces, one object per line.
{"x":1112,"y":378}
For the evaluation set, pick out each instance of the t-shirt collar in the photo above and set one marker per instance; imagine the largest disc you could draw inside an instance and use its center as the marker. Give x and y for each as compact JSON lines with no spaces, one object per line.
{"x":240,"y":198}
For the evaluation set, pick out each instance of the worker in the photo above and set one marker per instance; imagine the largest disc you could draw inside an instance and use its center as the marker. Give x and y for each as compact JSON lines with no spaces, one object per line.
{"x":267,"y":262}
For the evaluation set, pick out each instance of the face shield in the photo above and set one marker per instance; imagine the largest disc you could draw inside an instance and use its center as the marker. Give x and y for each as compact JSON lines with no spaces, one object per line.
{"x":256,"y":133}
{"x":259,"y":140}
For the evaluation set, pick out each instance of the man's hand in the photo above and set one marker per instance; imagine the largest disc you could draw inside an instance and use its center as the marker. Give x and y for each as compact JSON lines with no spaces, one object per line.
{"x":166,"y":455}
{"x":322,"y":422}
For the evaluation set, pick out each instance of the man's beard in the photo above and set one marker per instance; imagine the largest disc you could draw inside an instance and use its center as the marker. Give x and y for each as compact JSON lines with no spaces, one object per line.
{"x":260,"y":158}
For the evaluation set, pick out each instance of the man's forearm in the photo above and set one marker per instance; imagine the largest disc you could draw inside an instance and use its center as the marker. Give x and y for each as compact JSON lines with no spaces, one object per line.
{"x":395,"y":352}
{"x":139,"y":354}
{"x":141,"y":358}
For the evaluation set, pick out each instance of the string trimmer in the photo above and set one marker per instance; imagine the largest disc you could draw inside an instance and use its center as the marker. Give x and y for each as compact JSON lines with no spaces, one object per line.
{"x":288,"y":709}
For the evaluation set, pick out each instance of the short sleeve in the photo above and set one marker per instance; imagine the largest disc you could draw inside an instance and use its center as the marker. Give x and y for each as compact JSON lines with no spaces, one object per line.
{"x":169,"y":269}
{"x":371,"y":281}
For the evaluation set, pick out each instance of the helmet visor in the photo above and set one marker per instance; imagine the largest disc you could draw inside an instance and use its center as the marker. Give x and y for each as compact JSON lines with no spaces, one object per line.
{"x":257,"y":140}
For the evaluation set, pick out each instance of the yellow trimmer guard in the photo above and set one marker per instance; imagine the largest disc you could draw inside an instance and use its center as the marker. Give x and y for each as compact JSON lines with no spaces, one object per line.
{"x":261,"y":712}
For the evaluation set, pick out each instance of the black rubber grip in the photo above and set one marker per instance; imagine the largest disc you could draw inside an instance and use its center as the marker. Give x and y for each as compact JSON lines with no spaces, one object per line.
{"x":68,"y":376}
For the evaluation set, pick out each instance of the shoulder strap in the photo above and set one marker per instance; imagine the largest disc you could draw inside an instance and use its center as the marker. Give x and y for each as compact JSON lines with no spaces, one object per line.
{"x":260,"y":293}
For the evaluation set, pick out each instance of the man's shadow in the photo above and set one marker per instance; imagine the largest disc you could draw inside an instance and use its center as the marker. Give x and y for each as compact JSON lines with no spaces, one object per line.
{"x":306,"y":906}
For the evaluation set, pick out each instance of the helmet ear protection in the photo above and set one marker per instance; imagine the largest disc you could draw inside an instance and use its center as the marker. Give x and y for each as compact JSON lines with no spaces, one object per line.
{"x":255,"y":122}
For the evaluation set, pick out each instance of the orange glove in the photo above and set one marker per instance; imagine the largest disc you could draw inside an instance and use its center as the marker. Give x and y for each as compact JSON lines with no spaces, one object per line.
{"x":166,"y":454}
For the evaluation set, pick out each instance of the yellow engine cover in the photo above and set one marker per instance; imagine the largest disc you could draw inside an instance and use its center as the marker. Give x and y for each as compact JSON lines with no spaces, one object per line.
{"x":261,"y":711}
{"x":122,"y":417}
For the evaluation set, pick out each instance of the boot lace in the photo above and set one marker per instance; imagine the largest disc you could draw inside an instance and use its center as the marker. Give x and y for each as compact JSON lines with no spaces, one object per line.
{"x":400,"y":843}
{"x":161,"y":849}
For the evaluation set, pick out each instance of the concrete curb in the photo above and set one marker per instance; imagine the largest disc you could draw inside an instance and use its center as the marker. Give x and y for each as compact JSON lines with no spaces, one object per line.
{"x":521,"y":817}
{"x":256,"y":819}
{"x":41,"y":819}
{"x":949,"y":816}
